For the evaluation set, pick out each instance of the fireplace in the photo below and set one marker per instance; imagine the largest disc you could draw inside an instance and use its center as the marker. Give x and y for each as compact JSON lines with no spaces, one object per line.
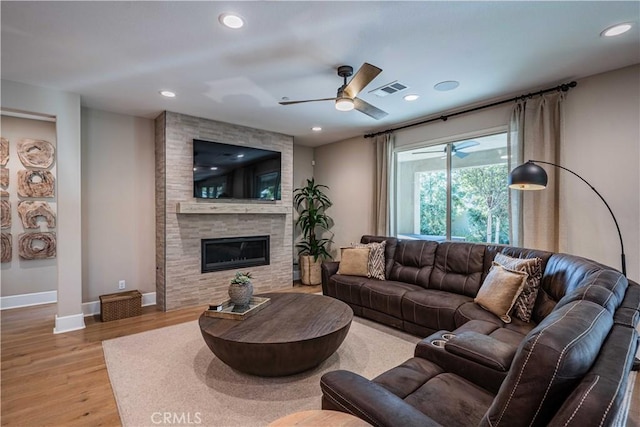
{"x":234,"y":252}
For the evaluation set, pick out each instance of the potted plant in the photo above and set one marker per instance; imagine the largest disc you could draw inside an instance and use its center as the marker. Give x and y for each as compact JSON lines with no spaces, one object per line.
{"x":241,"y":289}
{"x":311,"y":204}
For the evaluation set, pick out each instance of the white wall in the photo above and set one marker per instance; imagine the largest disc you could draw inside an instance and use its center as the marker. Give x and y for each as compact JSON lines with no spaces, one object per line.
{"x":19,"y":276}
{"x":66,"y":108}
{"x":118,"y":203}
{"x":601,"y":142}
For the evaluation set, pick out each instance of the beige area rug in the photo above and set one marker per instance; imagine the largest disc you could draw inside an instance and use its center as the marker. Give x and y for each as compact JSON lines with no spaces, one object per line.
{"x":169,"y":376}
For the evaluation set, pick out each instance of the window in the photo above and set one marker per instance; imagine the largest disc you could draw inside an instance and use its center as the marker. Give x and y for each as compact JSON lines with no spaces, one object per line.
{"x":268,"y":186}
{"x":454,"y":191}
{"x":213,"y":192}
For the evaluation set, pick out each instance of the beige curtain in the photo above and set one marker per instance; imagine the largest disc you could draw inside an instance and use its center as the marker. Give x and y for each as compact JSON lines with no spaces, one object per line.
{"x":534,"y":134}
{"x":382,"y":208}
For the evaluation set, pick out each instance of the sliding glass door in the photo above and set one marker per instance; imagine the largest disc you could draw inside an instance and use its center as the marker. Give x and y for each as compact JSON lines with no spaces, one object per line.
{"x":453,"y":191}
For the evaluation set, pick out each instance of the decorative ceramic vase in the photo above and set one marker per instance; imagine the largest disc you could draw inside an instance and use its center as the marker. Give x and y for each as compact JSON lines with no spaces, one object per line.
{"x":240,"y":294}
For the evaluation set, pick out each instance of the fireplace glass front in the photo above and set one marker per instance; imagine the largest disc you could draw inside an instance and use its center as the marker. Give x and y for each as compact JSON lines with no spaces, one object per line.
{"x":234,"y":252}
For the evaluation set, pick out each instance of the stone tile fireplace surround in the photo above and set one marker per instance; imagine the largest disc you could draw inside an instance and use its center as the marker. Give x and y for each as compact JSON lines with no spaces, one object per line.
{"x":182,"y":221}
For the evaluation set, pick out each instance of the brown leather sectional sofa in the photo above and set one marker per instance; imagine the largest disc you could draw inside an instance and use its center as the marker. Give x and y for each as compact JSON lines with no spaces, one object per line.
{"x":568,"y":366}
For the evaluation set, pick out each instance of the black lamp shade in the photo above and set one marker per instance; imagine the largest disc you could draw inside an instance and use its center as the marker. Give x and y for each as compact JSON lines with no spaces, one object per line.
{"x":528,"y":176}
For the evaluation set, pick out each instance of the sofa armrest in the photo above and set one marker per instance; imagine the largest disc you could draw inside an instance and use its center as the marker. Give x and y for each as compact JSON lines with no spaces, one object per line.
{"x":351,"y":393}
{"x":482,"y":349}
{"x":471,"y":369}
{"x":328,"y":269}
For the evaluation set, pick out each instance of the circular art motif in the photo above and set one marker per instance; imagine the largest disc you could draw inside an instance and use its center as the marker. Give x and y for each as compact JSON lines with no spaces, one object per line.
{"x":33,"y":183}
{"x":4,"y":151}
{"x":37,"y":245}
{"x":6,"y":247}
{"x":36,"y":153}
{"x":6,"y":214}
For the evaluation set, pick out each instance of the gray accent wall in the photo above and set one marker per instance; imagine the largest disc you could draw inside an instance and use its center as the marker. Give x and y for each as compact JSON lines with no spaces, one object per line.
{"x":179,"y":282}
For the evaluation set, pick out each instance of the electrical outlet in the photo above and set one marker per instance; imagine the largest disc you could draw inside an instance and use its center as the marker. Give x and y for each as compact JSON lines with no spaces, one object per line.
{"x":121,"y":284}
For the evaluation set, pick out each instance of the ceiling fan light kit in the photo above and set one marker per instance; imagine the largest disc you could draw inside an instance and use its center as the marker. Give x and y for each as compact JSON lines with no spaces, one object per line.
{"x":344,"y":104}
{"x":346,"y":99}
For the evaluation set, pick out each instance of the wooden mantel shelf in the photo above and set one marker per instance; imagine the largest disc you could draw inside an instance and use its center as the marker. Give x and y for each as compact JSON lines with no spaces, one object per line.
{"x":232,"y":208}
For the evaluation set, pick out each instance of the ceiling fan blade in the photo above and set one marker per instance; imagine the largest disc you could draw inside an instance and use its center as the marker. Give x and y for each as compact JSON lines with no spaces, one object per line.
{"x":306,"y":100}
{"x":368,"y":109}
{"x":460,"y":154}
{"x":465,"y":144}
{"x":363,"y":77}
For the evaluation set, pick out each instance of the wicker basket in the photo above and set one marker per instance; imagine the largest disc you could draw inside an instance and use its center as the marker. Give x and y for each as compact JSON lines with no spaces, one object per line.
{"x":310,"y":271}
{"x":120,"y":305}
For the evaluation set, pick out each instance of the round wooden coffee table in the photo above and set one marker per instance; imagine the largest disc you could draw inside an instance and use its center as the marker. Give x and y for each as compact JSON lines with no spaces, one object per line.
{"x":294,"y":333}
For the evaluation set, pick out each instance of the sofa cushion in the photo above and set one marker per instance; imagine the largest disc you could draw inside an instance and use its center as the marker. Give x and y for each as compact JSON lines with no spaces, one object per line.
{"x":385,"y":296}
{"x":346,"y":288}
{"x":451,"y":400}
{"x":527,"y":298}
{"x":563,"y":274}
{"x":471,"y":311}
{"x":432,"y":308}
{"x":406,"y":378}
{"x":458,"y":268}
{"x":354,"y":262}
{"x":413,"y":262}
{"x":510,"y":333}
{"x":500,"y":290}
{"x":550,"y":362}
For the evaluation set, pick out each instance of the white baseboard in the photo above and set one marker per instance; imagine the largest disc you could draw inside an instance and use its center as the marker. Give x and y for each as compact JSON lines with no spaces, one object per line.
{"x":92,"y":308}
{"x":49,"y":297}
{"x":69,"y":323}
{"x":27,"y":300}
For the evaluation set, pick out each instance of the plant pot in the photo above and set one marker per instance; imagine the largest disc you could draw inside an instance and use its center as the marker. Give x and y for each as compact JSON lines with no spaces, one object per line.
{"x":310,"y":272}
{"x":240,"y":294}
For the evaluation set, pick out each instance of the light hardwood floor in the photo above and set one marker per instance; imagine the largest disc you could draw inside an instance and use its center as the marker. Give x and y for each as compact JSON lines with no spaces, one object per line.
{"x":61,"y":380}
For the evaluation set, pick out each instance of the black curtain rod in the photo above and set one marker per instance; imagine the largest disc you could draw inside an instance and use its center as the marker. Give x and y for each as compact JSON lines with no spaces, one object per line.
{"x":563,"y":87}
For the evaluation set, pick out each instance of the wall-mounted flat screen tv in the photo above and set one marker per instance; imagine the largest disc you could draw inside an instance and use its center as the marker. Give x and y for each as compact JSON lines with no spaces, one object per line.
{"x":226,"y":171}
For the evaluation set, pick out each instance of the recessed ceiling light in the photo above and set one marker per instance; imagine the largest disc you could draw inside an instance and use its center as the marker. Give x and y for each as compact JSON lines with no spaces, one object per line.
{"x":168,"y":93}
{"x":411,"y":97}
{"x":240,"y":156}
{"x":195,"y":169}
{"x":213,"y":168}
{"x":316,"y":128}
{"x":446,"y":85}
{"x":231,"y":20}
{"x":616,"y":30}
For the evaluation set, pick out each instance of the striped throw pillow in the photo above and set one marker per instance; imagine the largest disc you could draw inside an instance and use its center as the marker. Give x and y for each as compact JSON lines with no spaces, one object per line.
{"x":523,"y":307}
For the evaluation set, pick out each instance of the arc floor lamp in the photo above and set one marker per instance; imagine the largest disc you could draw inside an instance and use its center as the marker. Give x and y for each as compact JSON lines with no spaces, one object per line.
{"x":529,"y":176}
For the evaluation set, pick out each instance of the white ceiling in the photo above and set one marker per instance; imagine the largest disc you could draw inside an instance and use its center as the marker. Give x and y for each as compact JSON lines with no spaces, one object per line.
{"x":118,"y":55}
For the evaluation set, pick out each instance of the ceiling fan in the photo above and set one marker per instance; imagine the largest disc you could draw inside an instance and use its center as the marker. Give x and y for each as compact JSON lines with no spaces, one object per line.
{"x":455,"y":149}
{"x":346,"y":98}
